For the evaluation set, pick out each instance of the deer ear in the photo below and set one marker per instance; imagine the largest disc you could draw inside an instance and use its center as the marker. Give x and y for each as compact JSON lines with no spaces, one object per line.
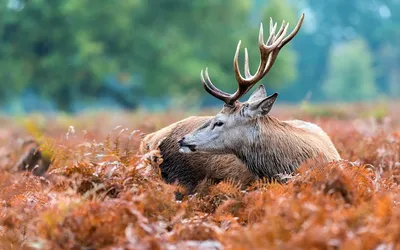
{"x":258,"y":94}
{"x":263,"y":106}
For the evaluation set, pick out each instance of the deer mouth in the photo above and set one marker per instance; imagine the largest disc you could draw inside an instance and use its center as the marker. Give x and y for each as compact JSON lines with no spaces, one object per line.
{"x":186,"y":148}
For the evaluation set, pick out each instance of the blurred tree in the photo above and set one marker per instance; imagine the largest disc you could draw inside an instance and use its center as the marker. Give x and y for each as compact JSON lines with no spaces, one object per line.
{"x":79,"y":51}
{"x":179,"y":38}
{"x":388,"y":52}
{"x":331,"y":22}
{"x":63,"y":50}
{"x":351,"y":76}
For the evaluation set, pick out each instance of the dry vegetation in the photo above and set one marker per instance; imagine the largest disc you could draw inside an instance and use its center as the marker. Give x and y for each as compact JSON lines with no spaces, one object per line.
{"x":100,"y":194}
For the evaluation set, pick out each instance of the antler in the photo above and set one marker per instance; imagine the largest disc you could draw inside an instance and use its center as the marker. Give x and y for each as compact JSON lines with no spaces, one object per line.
{"x":268,"y":54}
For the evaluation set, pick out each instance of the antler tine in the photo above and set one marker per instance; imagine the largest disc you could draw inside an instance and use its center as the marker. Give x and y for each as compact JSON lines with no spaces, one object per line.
{"x":293,"y":33}
{"x":245,"y":84}
{"x":211,"y":89}
{"x":262,"y":47}
{"x":270,"y":24}
{"x":213,"y":86}
{"x":278,"y":39}
{"x":247,"y":73}
{"x":274,"y":55}
{"x":242,"y":81}
{"x":271,"y":37}
{"x":236,"y":69}
{"x":281,"y":29}
{"x":268,"y":54}
{"x":265,"y":50}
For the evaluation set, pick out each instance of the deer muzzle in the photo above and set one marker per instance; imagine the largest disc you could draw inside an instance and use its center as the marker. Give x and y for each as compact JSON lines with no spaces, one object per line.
{"x":185,"y":147}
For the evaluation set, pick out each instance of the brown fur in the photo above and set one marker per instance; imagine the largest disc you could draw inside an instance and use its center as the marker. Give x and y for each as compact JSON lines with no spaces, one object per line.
{"x":190,"y":170}
{"x":282,"y":146}
{"x":268,"y":147}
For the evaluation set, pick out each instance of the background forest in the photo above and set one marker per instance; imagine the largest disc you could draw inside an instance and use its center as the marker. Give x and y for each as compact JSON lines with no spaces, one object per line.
{"x":78,"y":54}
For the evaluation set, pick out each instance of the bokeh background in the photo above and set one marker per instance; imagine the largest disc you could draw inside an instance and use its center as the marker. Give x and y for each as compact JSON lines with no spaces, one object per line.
{"x":147,"y":54}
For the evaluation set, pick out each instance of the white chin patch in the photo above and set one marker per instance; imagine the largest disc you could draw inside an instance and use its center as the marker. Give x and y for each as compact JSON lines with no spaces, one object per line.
{"x":185,"y":150}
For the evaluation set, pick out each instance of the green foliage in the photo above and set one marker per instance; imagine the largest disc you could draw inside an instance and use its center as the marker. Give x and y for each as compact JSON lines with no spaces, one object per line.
{"x":351,"y":76}
{"x":184,"y":38}
{"x":64,"y":50}
{"x":78,"y":51}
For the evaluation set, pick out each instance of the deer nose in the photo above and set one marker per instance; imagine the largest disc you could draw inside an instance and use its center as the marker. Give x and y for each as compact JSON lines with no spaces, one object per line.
{"x":180,"y":142}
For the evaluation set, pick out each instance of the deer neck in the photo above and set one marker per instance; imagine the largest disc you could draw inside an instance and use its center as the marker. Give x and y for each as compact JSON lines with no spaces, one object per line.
{"x":274,"y":148}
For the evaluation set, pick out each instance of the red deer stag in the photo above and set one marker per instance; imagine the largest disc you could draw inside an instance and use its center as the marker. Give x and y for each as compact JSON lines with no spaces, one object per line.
{"x":190,"y":169}
{"x":267,"y":146}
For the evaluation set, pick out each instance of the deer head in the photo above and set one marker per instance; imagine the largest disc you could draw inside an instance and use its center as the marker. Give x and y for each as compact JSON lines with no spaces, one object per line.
{"x":237,"y":121}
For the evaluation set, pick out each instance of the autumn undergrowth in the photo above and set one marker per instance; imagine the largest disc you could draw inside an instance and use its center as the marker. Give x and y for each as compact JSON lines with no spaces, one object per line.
{"x":100,"y":193}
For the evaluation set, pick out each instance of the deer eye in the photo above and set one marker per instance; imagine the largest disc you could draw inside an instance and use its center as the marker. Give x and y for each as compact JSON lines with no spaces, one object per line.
{"x":218,"y":124}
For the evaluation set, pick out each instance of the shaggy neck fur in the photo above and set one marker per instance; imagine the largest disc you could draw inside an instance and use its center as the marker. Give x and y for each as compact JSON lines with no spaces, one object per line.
{"x":277,"y":147}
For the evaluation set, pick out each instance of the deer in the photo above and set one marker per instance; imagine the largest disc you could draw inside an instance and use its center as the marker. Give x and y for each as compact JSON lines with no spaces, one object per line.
{"x":267,"y":146}
{"x":191,"y":170}
{"x":204,"y":163}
